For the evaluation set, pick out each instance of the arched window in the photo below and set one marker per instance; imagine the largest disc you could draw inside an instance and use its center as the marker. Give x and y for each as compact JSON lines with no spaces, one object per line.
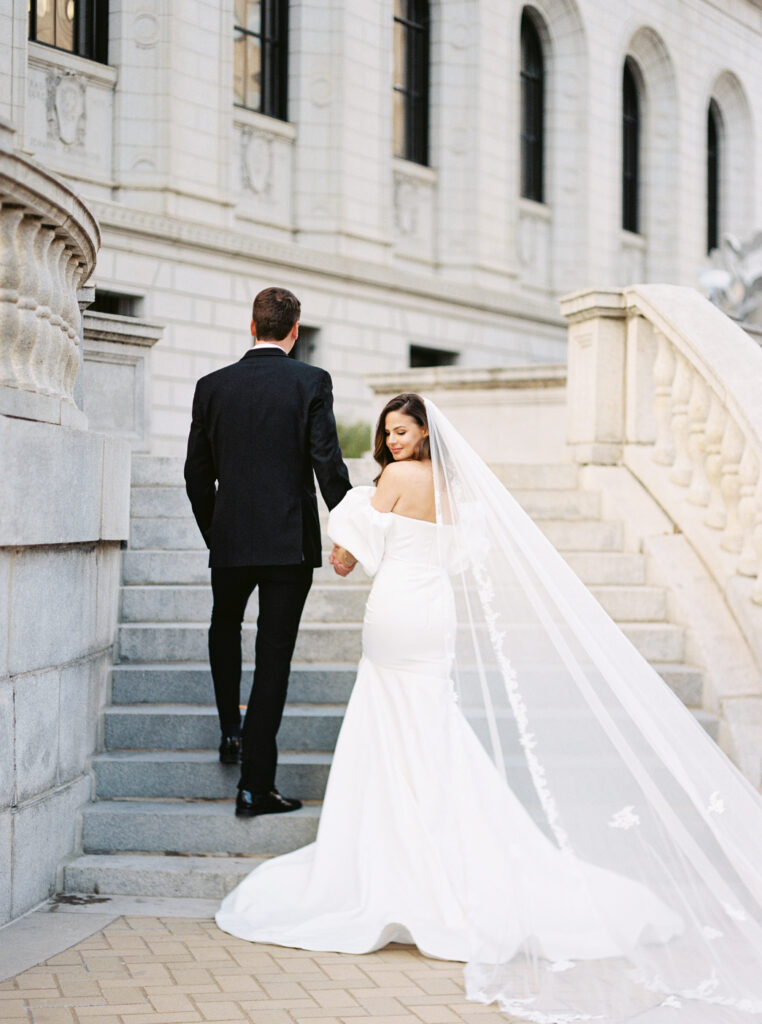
{"x":260,"y":56}
{"x":79,"y":26}
{"x":630,"y":149}
{"x":532,"y":110}
{"x":411,"y":80}
{"x":712,"y":176}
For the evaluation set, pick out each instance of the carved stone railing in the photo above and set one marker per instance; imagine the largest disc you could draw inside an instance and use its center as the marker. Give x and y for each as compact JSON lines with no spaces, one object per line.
{"x":665,"y":384}
{"x":48,"y":244}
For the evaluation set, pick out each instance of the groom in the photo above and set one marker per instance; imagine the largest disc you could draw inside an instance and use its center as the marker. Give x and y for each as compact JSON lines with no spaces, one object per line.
{"x":259,"y":428}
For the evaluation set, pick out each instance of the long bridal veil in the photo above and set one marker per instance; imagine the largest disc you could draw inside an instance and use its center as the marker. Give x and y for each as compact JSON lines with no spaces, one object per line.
{"x":656,"y":835}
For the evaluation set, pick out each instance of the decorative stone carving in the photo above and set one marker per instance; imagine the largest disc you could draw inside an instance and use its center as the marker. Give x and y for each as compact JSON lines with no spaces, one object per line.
{"x":48,"y":242}
{"x":145,"y":30}
{"x":66,"y":109}
{"x":256,"y":160}
{"x":321,"y":89}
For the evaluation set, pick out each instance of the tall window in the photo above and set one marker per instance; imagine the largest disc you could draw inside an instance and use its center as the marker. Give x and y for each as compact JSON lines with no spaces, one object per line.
{"x":411,"y":80}
{"x":79,"y":26}
{"x":712,"y":177}
{"x":260,"y":56}
{"x":532,"y":110}
{"x":630,"y":149}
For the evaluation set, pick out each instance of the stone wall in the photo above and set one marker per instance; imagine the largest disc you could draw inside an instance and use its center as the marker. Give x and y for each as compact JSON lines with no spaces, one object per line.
{"x":63,"y":513}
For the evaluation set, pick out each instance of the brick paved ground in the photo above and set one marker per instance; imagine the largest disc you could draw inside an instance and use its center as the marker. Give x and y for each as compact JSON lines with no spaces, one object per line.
{"x":153,"y":970}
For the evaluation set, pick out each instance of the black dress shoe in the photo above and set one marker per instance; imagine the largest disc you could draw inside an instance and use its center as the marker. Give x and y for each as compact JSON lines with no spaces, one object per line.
{"x":249,"y":805}
{"x":230,"y":750}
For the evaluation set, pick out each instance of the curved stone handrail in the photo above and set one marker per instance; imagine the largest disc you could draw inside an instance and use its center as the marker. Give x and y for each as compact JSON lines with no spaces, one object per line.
{"x":48,"y":246}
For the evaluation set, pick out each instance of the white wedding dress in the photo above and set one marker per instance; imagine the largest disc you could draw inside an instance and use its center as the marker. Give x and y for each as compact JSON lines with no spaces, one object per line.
{"x":515,"y":787}
{"x":420,"y":839}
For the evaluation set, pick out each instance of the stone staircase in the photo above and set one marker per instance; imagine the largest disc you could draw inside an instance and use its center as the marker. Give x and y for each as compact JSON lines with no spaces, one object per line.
{"x":163,"y":821}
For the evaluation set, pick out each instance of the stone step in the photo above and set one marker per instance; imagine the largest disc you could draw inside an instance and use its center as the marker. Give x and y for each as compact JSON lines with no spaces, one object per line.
{"x":198,"y":774}
{"x":159,"y":501}
{"x":192,"y":683}
{"x":187,"y":826}
{"x":188,"y":567}
{"x":187,"y":641}
{"x":312,"y":684}
{"x":571,"y":504}
{"x":177,"y":534}
{"x":150,"y":875}
{"x":196,"y":727}
{"x":583,"y":534}
{"x":194,"y":604}
{"x":604,"y":567}
{"x":685,"y":681}
{"x":335,"y":642}
{"x":537,"y":477}
{"x":632,"y":603}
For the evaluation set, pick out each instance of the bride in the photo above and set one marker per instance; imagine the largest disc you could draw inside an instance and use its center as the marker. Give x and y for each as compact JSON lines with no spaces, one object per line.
{"x":514,"y":787}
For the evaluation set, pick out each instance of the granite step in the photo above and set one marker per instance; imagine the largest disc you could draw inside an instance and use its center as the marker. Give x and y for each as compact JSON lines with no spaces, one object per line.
{"x":311,"y":684}
{"x":196,"y":727}
{"x":193,"y":603}
{"x":198,"y":774}
{"x":188,"y":826}
{"x":559,"y":504}
{"x":151,"y":875}
{"x":635,"y":603}
{"x":188,"y":641}
{"x":167,"y":470}
{"x":338,"y":641}
{"x":192,"y":683}
{"x":537,"y":476}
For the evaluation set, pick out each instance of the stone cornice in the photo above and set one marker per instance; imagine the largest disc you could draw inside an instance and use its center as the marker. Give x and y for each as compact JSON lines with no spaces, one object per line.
{"x":232,"y":243}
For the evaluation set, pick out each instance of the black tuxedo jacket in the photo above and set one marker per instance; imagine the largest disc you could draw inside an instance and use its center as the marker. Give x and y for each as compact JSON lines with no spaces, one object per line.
{"x":259,"y":428}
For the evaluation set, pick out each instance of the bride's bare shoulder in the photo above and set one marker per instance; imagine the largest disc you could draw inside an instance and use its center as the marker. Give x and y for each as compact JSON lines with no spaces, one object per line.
{"x":400,"y":479}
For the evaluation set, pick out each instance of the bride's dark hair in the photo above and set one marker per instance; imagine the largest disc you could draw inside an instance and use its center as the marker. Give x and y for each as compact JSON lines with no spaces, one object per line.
{"x":411,"y":405}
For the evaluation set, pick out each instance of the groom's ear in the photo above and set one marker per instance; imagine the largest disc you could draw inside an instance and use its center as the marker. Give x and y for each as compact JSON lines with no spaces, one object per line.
{"x":253,"y":330}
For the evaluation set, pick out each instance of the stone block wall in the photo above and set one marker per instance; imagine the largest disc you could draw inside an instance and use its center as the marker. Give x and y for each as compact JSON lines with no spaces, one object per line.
{"x":60,"y":566}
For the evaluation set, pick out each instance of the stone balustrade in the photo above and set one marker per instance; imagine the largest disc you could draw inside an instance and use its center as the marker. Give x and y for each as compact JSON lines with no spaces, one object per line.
{"x":48,"y":240}
{"x":665,"y":384}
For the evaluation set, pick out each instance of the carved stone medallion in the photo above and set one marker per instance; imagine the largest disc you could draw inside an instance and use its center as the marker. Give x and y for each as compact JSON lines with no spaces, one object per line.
{"x":256,"y":161}
{"x":66,"y":111}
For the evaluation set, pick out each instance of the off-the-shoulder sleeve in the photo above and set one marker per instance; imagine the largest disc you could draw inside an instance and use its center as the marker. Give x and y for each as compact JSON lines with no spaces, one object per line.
{"x":355,"y":525}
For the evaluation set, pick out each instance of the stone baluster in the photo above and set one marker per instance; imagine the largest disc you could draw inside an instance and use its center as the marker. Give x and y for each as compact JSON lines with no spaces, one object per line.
{"x":682,"y":467}
{"x":756,"y":540}
{"x":24,"y":350}
{"x":715,"y":429}
{"x":73,"y":276}
{"x":58,"y":258}
{"x":664,"y":373}
{"x":45,"y":349}
{"x":748,"y":563}
{"x":10,"y":282}
{"x":732,"y":449}
{"x":698,"y":410}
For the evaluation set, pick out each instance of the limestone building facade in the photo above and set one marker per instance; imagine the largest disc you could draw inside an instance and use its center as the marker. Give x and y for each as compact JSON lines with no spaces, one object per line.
{"x":429,"y":178}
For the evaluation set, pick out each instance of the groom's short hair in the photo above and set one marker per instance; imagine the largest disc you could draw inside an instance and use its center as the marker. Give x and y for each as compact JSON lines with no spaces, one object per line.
{"x":274,"y":313}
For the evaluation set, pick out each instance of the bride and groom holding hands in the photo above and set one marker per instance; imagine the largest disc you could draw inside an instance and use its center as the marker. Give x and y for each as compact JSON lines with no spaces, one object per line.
{"x":512,"y":786}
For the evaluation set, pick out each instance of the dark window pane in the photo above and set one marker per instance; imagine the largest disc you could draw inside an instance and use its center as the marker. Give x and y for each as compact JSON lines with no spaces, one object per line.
{"x":630,"y":149}
{"x":78,"y":26}
{"x":712,"y":178}
{"x":411,"y":80}
{"x":532,"y":111}
{"x":260,"y":56}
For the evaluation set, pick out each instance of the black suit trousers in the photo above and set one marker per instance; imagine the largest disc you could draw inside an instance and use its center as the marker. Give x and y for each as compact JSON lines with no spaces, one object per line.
{"x":283,"y":590}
